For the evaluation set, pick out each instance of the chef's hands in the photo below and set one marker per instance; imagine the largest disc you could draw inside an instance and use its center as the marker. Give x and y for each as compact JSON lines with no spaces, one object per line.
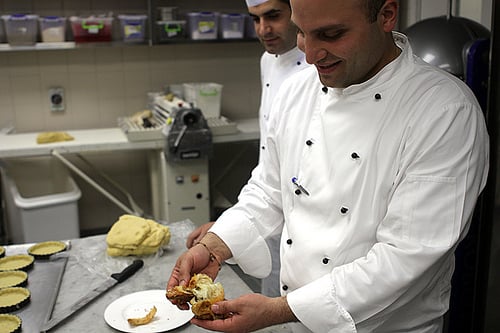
{"x":197,"y":234}
{"x":248,"y":313}
{"x":195,"y":260}
{"x":202,"y":258}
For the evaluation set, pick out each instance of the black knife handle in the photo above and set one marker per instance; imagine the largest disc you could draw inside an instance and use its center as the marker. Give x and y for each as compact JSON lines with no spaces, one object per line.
{"x":128,"y":271}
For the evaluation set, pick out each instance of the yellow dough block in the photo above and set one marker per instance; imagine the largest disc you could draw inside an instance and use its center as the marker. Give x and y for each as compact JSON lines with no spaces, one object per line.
{"x":49,"y":137}
{"x":133,"y":235}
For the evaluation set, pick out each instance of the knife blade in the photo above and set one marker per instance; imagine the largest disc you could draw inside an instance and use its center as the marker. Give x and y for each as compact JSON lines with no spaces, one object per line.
{"x":84,"y":300}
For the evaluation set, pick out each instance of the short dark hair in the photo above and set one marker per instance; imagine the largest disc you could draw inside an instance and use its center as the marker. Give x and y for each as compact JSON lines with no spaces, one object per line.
{"x":373,"y":8}
{"x":287,"y":2}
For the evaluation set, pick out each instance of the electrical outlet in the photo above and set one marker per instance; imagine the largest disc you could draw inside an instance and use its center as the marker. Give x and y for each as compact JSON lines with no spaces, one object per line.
{"x":56,"y":99}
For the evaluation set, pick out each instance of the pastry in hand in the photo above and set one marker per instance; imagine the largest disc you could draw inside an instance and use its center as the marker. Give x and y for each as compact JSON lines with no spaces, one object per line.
{"x":201,"y":292}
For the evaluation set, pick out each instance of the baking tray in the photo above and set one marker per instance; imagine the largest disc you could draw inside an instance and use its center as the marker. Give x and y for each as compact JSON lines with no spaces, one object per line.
{"x":44,"y":280}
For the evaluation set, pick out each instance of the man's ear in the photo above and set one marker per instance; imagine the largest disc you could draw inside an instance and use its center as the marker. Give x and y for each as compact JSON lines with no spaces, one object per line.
{"x":388,"y":15}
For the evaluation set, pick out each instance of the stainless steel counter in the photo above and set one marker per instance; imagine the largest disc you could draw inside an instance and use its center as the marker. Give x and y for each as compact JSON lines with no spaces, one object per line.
{"x":105,"y":139}
{"x":88,"y":265}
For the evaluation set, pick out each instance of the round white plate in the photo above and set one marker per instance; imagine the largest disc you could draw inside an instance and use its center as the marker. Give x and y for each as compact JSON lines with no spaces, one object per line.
{"x":138,"y":304}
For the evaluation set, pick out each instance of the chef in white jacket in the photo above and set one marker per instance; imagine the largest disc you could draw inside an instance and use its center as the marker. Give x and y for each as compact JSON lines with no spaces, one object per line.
{"x":375,"y":161}
{"x":281,"y":59}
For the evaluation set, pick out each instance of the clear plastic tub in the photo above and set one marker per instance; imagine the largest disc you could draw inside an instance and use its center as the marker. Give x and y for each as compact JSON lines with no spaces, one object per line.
{"x":206,"y":96}
{"x":41,"y":200}
{"x":2,"y":32}
{"x":167,"y":13}
{"x":170,"y":30}
{"x":232,"y":26}
{"x":21,"y":29}
{"x":53,"y":29}
{"x":133,"y":28}
{"x":203,"y":25}
{"x":91,"y":29}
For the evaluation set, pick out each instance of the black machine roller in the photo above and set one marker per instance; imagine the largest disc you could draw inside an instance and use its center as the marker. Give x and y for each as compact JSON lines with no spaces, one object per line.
{"x":188,"y":136}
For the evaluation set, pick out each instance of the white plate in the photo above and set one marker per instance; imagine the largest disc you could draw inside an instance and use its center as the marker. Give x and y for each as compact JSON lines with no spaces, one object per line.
{"x":138,"y":304}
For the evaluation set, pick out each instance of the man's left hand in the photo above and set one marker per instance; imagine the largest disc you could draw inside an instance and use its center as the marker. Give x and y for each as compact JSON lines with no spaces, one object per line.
{"x":248,"y":313}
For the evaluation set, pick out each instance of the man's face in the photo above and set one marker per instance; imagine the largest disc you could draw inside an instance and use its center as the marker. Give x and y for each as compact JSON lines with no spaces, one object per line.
{"x":339,"y":40}
{"x":273,"y":26}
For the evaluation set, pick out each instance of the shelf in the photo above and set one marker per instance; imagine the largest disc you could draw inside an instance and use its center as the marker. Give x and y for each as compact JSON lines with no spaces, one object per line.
{"x":206,"y":41}
{"x":37,"y":46}
{"x":72,"y":45}
{"x":147,"y":7}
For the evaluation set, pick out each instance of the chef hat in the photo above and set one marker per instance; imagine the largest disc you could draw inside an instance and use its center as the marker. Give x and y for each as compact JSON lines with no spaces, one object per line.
{"x":251,"y":3}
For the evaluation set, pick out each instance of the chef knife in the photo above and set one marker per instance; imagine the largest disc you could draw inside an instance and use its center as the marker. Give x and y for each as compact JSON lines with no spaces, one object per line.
{"x":107,"y":284}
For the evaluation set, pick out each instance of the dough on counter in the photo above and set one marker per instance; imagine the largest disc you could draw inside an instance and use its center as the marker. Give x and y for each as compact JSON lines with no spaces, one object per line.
{"x":49,"y":137}
{"x":133,"y":235}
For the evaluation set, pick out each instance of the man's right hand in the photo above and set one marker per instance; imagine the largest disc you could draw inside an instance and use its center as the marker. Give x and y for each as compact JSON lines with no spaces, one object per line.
{"x":196,"y":235}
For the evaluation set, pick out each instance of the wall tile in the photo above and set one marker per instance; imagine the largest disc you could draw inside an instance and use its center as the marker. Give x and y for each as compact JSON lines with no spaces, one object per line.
{"x":81,"y":60}
{"x":23,"y":63}
{"x":136,"y":58}
{"x":110,"y":84}
{"x":5,"y":90}
{"x":109,"y":111}
{"x":108,"y":59}
{"x":53,"y":61}
{"x":137,"y":83}
{"x":26,"y":90}
{"x":30,"y":116}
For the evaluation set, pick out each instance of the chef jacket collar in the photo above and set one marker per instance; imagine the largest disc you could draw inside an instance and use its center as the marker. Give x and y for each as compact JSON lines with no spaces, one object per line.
{"x":293,"y":55}
{"x":382,"y":79}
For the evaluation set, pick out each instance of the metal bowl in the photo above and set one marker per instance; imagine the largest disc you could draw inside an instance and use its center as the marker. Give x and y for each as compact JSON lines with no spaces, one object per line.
{"x":441,"y":41}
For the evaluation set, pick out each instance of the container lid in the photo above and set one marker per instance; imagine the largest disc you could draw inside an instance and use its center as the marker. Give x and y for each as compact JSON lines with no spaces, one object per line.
{"x":46,"y":249}
{"x":10,"y":323}
{"x":91,"y":18}
{"x":13,"y":279}
{"x":235,"y":15}
{"x":171,"y":22}
{"x":20,"y":17}
{"x":132,"y":17}
{"x":20,"y":261}
{"x":169,"y":9}
{"x":12,"y":299}
{"x":52,"y":19}
{"x":202,"y":14}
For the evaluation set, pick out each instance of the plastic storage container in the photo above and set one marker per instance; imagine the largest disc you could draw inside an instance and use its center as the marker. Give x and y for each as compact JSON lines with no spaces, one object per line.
{"x":2,"y":32}
{"x":170,"y":30}
{"x":133,"y":28}
{"x":21,"y":29}
{"x":167,"y":13}
{"x":41,"y":200}
{"x":205,"y":96}
{"x":53,"y":29}
{"x":203,"y":25}
{"x":232,"y":26}
{"x":91,"y":29}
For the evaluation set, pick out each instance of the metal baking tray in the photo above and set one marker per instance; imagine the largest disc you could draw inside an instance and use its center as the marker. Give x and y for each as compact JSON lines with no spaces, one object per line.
{"x":44,"y":280}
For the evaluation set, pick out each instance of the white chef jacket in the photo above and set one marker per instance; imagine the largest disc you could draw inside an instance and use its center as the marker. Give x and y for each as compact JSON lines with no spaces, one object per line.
{"x":393,"y":167}
{"x":274,"y":69}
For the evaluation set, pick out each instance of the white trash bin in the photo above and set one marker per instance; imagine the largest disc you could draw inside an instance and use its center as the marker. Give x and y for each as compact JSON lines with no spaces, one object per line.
{"x":41,"y":200}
